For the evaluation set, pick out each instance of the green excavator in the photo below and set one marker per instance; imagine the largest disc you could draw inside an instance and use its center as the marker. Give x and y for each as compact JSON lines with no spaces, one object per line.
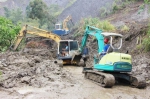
{"x":111,"y":66}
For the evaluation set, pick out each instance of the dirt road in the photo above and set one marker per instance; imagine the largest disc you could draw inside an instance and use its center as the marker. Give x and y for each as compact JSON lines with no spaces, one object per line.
{"x":81,"y":89}
{"x":89,"y":90}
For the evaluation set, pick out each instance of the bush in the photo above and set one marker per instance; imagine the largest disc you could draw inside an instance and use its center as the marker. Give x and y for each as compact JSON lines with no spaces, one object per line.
{"x":103,"y":25}
{"x":8,"y":32}
{"x":146,"y":41}
{"x":125,"y":28}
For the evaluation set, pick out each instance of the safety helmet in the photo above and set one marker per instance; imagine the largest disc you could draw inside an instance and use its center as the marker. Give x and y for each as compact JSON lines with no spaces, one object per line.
{"x":106,"y":40}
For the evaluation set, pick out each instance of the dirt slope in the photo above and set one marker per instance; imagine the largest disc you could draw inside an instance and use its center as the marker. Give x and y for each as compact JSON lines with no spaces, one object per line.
{"x":137,"y":24}
{"x":85,"y":8}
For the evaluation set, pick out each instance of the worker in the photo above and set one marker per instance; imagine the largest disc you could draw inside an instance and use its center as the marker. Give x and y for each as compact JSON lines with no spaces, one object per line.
{"x":105,"y":48}
{"x":65,"y":50}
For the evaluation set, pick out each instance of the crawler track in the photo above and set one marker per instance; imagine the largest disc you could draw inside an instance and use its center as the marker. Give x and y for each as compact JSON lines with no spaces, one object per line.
{"x":108,"y":79}
{"x":104,"y":79}
{"x":138,"y":81}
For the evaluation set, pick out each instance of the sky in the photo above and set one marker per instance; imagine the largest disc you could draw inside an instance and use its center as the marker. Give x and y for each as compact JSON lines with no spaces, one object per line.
{"x":2,"y":0}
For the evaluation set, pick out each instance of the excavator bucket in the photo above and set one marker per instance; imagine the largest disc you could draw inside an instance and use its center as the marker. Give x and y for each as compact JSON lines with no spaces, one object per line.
{"x":76,"y":58}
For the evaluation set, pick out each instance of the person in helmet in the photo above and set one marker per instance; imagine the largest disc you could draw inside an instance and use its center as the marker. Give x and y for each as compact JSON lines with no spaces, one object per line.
{"x":106,"y":46}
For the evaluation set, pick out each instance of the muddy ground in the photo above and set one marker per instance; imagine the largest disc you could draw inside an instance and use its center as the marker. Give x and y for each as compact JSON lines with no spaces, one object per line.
{"x":32,"y":74}
{"x":28,"y":76}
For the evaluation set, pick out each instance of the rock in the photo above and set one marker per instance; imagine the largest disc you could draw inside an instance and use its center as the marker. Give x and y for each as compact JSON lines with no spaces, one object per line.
{"x":38,"y":71}
{"x":25,"y":79}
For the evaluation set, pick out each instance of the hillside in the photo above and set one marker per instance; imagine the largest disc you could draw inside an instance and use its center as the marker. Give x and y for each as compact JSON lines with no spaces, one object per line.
{"x":78,"y":10}
{"x":22,"y":4}
{"x":85,"y":8}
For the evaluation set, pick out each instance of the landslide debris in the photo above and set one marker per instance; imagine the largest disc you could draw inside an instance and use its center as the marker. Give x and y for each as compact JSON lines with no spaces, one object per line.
{"x":32,"y":69}
{"x":141,"y":66}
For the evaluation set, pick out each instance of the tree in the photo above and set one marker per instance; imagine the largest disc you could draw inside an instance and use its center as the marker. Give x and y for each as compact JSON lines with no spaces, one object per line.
{"x":37,"y":9}
{"x":7,"y":12}
{"x":55,"y":10}
{"x":15,"y":15}
{"x":8,"y":32}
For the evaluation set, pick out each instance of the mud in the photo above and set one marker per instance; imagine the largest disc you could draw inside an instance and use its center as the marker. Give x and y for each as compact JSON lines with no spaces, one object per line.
{"x":83,"y":89}
{"x":20,"y":69}
{"x":32,"y":74}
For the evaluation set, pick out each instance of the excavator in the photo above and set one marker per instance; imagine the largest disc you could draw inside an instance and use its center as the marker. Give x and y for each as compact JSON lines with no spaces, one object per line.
{"x":112,"y":66}
{"x":62,"y":29}
{"x":62,"y":59}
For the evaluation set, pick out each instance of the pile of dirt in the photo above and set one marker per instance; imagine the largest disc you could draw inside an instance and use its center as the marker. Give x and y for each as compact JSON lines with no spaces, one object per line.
{"x":141,"y":66}
{"x":20,"y":69}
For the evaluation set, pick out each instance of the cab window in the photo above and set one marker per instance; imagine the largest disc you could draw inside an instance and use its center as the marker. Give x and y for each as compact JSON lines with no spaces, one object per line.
{"x":73,"y":45}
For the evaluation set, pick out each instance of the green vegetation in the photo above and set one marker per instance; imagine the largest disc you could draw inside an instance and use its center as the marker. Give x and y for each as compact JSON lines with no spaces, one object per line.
{"x":116,"y":6}
{"x":103,"y":12}
{"x":54,"y":10}
{"x":146,"y":1}
{"x":15,"y":15}
{"x":103,"y":25}
{"x":37,"y":14}
{"x":119,"y":4}
{"x":37,"y":9}
{"x":8,"y":32}
{"x":146,"y":41}
{"x":143,"y":6}
{"x":125,"y":28}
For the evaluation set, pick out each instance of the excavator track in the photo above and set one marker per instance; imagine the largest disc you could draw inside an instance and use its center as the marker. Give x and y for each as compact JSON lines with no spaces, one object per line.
{"x":103,"y":79}
{"x":135,"y":81}
{"x":107,"y":79}
{"x":138,"y":81}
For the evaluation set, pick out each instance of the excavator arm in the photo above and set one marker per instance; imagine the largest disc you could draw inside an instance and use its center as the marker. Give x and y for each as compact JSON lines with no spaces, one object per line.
{"x":93,"y":31}
{"x":43,"y":33}
{"x":19,"y":38}
{"x":65,"y":23}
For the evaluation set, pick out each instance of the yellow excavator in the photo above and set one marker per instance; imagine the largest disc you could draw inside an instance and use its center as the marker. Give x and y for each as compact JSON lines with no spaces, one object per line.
{"x":62,"y":29}
{"x":64,"y":59}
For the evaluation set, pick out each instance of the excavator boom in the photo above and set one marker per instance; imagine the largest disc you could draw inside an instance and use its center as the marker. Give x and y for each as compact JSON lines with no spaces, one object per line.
{"x":19,"y":38}
{"x":43,"y":33}
{"x":65,"y":23}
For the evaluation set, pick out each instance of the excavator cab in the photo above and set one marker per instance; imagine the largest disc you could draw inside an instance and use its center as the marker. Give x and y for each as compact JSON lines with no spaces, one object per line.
{"x":64,"y":53}
{"x":110,"y":44}
{"x":121,"y":62}
{"x":59,"y":31}
{"x":58,"y":26}
{"x":62,"y":29}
